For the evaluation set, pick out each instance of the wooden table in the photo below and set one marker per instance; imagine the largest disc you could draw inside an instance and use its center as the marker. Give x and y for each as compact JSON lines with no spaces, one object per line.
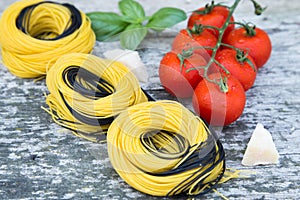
{"x":40,"y":160}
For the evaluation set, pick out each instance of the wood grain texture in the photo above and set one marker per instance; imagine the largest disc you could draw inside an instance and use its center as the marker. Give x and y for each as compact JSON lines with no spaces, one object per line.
{"x":40,"y":160}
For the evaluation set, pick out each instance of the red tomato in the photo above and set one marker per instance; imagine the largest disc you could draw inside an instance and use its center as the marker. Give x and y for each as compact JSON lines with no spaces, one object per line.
{"x":217,"y":107}
{"x":257,"y":43}
{"x":213,"y":16}
{"x":174,"y":76}
{"x":186,"y":40}
{"x":236,"y":63}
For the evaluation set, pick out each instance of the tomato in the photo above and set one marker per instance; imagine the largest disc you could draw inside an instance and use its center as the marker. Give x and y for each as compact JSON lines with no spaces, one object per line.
{"x":217,"y":107}
{"x":213,"y":15}
{"x":187,"y":39}
{"x":174,"y":76}
{"x":253,"y":39}
{"x":238,"y":66}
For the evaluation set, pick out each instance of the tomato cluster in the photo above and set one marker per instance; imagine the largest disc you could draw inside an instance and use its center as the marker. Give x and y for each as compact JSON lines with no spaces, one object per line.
{"x":215,"y":63}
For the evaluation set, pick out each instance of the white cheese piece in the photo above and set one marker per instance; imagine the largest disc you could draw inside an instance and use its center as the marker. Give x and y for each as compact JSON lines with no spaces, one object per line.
{"x":261,"y":149}
{"x":131,"y":60}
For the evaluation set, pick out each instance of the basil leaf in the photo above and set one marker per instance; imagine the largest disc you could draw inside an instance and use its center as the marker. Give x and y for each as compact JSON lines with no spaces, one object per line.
{"x":106,"y":25}
{"x":133,"y":36}
{"x":132,"y":11}
{"x":165,"y":18}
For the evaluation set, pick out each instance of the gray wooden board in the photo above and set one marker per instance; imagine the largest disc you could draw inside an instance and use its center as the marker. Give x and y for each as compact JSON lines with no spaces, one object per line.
{"x":40,"y":160}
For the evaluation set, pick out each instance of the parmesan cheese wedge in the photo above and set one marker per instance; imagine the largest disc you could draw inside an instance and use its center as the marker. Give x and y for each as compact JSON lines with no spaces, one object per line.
{"x":131,"y":60}
{"x":261,"y":149}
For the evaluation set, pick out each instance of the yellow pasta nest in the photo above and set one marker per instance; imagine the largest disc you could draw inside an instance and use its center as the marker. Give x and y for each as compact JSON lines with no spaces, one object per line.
{"x":35,"y":33}
{"x":87,"y":93}
{"x":163,"y":149}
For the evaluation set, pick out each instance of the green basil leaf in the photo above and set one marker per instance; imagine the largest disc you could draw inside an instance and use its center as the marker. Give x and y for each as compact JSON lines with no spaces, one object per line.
{"x":106,"y":25}
{"x":132,"y":11}
{"x":133,"y":36}
{"x":165,"y":18}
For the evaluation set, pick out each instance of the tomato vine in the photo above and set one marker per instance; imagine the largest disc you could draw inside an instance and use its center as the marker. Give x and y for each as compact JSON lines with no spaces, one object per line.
{"x":222,"y":81}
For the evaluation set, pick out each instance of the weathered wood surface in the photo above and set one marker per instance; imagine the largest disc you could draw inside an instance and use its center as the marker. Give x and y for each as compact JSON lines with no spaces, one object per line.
{"x":40,"y":160}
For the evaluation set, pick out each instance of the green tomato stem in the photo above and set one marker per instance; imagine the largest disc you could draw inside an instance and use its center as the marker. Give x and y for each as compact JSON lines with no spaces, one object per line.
{"x":222,"y":66}
{"x":212,"y":60}
{"x":241,"y":55}
{"x":249,"y":27}
{"x":258,"y":8}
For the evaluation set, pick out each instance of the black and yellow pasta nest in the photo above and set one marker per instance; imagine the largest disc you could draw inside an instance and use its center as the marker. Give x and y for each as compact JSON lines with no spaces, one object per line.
{"x":88,"y":92}
{"x":163,"y":149}
{"x":35,"y":33}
